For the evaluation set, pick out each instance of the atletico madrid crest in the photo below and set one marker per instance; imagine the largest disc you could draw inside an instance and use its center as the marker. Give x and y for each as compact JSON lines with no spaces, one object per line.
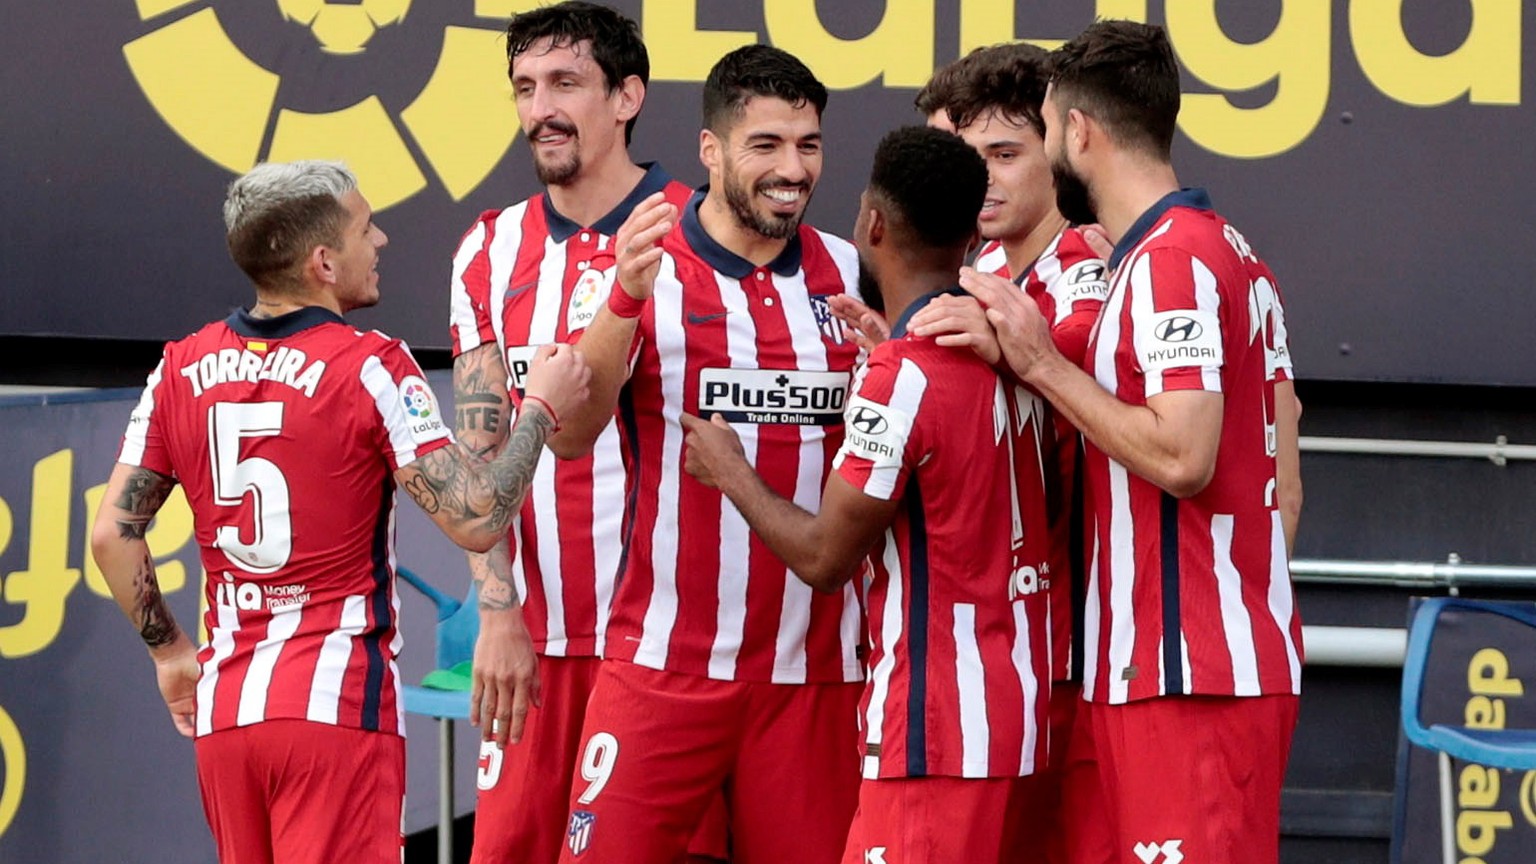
{"x":579,"y":835}
{"x":831,"y":327}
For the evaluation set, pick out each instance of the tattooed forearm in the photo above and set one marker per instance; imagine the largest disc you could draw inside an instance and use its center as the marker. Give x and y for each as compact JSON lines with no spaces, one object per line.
{"x":141,"y":497}
{"x":492,"y":574}
{"x":465,"y":495}
{"x":157,"y":626}
{"x":480,"y":399}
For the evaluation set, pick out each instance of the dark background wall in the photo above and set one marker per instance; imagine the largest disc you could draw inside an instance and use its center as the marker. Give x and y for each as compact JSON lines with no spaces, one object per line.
{"x":1381,"y":169}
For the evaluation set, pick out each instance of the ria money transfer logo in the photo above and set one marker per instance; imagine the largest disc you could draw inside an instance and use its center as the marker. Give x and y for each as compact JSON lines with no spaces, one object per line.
{"x":236,"y":111}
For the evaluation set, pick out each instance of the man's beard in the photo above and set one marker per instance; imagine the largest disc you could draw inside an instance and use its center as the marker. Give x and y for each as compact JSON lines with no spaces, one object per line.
{"x":1073,"y":199}
{"x":558,"y":174}
{"x":869,"y":289}
{"x":770,"y":225}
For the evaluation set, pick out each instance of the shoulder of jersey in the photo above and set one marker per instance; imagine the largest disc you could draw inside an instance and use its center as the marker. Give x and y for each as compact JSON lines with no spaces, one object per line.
{"x":839,"y":250}
{"x":1073,"y":248}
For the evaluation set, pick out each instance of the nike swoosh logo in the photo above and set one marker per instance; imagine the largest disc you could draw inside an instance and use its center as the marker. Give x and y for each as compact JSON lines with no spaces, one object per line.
{"x":513,"y":292}
{"x":695,"y":318}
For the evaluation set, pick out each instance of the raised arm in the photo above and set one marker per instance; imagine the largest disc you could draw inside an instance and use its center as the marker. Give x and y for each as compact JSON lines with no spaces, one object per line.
{"x":474,"y":501}
{"x":504,"y":682}
{"x":824,"y":548}
{"x":134,"y":495}
{"x":607,"y":342}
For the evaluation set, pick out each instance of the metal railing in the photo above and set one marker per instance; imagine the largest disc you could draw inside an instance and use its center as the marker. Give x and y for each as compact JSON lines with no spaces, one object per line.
{"x":1499,"y":452}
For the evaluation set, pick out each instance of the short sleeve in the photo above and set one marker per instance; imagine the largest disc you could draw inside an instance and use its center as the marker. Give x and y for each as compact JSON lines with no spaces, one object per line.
{"x":144,"y":441}
{"x":469,"y":307}
{"x":410,"y":418}
{"x":1175,"y":322}
{"x":882,"y":436}
{"x":1077,"y":295}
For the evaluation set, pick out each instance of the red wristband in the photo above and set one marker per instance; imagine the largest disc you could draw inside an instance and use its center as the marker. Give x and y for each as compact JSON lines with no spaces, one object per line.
{"x":623,"y":305}
{"x":548,"y":409}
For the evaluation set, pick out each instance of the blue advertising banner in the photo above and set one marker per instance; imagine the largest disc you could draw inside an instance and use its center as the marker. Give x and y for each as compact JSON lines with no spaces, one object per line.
{"x":1481,"y":674}
{"x":91,"y":768}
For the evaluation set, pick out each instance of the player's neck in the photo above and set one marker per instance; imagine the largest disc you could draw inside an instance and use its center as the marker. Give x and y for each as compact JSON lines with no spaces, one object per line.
{"x":721,"y":225}
{"x":1022,"y":251}
{"x":276,"y":305}
{"x":598,"y":190}
{"x":912,"y":282}
{"x":1129,"y":191}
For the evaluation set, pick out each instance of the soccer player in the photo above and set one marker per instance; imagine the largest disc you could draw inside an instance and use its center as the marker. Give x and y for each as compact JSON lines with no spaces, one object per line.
{"x":1193,"y":643}
{"x":941,"y":482}
{"x":529,"y":275}
{"x":721,"y":665}
{"x":289,"y":430}
{"x":996,"y":108}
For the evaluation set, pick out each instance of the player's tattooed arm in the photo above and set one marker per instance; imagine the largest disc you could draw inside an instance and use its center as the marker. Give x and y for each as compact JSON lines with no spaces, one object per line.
{"x":482,"y":406}
{"x":142,"y":494}
{"x":134,"y":495}
{"x":472,"y":500}
{"x":492,"y":574}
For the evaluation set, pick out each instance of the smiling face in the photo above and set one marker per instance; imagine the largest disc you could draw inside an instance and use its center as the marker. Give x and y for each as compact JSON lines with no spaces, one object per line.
{"x":355,"y":258}
{"x":566,"y":109}
{"x":1019,"y":193}
{"x":767,"y":165}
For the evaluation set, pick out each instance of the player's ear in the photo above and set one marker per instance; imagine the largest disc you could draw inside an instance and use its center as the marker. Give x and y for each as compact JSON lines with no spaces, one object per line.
{"x":878,"y":226}
{"x":631,"y":95}
{"x":1082,"y":131}
{"x":709,"y":151}
{"x":319,"y":265}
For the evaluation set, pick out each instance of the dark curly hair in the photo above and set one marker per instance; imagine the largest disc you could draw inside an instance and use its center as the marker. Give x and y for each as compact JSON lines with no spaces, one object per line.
{"x":1008,"y":78}
{"x":757,"y":70}
{"x":938,"y":93}
{"x":616,"y":45}
{"x":934,"y":183}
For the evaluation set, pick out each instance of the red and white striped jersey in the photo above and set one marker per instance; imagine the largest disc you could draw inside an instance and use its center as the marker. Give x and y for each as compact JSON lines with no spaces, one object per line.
{"x":285,"y":434}
{"x":991,"y":258}
{"x":701,"y":594}
{"x":958,"y":595}
{"x":524,"y":277}
{"x":1194,"y":595}
{"x":1069,"y":283}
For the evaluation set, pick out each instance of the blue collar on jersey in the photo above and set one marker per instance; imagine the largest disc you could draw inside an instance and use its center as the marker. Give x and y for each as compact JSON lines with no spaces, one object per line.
{"x":900,"y":329}
{"x":284,"y":325}
{"x":560,"y":228}
{"x":787,"y":263}
{"x":1189,"y":196}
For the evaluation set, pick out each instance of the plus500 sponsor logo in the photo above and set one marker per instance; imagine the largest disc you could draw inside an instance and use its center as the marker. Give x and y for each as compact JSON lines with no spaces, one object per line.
{"x":773,"y":396}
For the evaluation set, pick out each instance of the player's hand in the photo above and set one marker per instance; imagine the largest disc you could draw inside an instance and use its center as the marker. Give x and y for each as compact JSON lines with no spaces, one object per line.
{"x":1097,"y":240}
{"x":176,"y":672}
{"x":637,"y":246}
{"x":713,"y":448}
{"x":1023,"y":334}
{"x":958,"y":322}
{"x":868,"y":327}
{"x":560,"y":376}
{"x":505,"y":682}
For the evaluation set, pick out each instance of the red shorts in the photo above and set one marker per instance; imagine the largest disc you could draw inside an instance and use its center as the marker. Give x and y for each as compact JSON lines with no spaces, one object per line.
{"x":525,"y":790}
{"x":1036,"y":822}
{"x":296,"y":792}
{"x":1194,"y":776}
{"x":658,"y":745}
{"x":919,"y":820}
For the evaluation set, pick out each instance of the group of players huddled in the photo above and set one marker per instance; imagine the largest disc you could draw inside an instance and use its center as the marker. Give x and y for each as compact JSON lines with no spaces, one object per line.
{"x":788,"y":549}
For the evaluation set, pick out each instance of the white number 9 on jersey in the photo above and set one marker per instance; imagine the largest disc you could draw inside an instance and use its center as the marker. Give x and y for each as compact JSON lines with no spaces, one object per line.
{"x":234,"y":478}
{"x":597,"y":764}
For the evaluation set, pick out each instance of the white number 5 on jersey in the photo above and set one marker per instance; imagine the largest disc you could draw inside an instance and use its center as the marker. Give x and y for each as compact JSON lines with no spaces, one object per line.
{"x":234,"y":478}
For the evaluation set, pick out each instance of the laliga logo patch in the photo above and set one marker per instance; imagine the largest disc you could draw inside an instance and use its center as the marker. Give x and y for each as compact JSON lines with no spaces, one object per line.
{"x":226,"y":106}
{"x":417,"y":399}
{"x":591,"y":290}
